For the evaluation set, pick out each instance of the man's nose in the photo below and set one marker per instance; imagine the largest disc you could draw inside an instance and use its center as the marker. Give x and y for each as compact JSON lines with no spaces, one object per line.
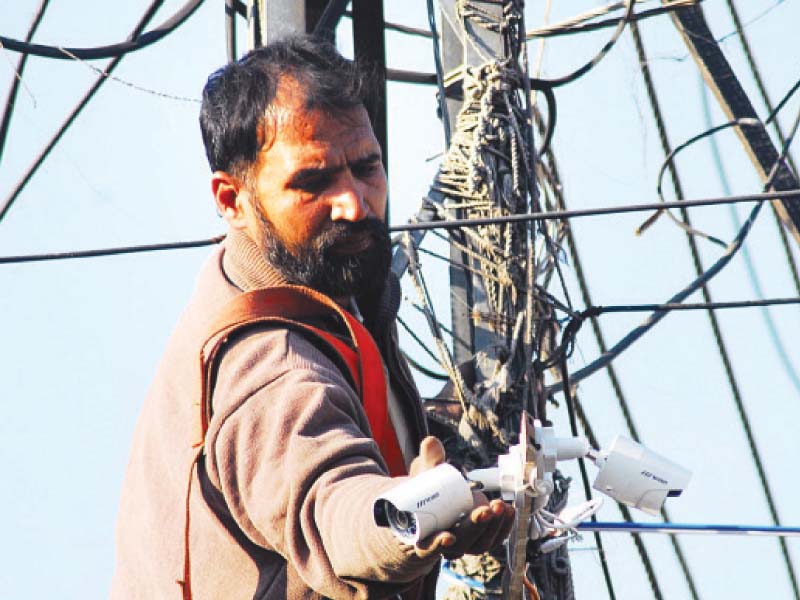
{"x":348,"y":203}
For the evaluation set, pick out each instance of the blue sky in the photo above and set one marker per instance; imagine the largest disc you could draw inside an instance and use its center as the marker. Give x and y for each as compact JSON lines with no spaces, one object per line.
{"x":82,"y":338}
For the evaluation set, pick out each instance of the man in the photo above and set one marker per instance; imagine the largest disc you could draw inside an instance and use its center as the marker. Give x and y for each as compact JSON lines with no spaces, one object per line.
{"x":279,"y":503}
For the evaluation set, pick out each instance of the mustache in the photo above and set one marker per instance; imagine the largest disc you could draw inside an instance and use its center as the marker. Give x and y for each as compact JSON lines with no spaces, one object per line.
{"x":342,"y":231}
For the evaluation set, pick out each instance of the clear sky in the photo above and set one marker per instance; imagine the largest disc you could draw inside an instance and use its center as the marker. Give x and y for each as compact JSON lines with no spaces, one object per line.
{"x":82,"y":338}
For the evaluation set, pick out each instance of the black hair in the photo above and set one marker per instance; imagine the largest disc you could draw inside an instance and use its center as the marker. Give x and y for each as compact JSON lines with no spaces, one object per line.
{"x":234,"y":118}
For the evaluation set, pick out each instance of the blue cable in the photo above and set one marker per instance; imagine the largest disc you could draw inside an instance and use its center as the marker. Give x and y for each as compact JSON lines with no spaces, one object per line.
{"x":632,"y":527}
{"x":755,"y":283}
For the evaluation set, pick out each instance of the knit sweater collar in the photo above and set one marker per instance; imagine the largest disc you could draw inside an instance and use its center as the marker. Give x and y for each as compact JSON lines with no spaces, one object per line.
{"x":245,"y":265}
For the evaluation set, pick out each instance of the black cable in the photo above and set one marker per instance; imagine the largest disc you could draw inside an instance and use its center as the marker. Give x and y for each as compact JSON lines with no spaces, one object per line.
{"x":605,"y":23}
{"x":400,"y":28}
{"x":581,"y":71}
{"x":240,"y":8}
{"x":425,"y":370}
{"x":588,"y":212}
{"x":700,"y":283}
{"x":783,"y":102}
{"x":417,"y":339}
{"x":670,"y":306}
{"x":552,"y":115}
{"x":17,"y":80}
{"x":562,"y":214}
{"x":437,"y":61}
{"x":616,"y":385}
{"x":136,"y":42}
{"x":149,"y":14}
{"x":404,"y":76}
{"x":668,"y":163}
{"x":7,"y":260}
{"x":587,"y":490}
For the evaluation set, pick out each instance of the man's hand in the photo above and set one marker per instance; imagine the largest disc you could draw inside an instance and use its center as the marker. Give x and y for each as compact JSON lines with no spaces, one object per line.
{"x":485,"y":527}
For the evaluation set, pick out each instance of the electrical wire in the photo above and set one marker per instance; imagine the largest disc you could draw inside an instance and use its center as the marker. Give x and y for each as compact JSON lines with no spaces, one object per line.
{"x":437,"y":61}
{"x":571,"y":26}
{"x":19,"y":70}
{"x":668,"y":163}
{"x":11,"y":198}
{"x":755,"y":284}
{"x":414,"y":225}
{"x":417,"y":339}
{"x":695,"y":528}
{"x":131,"y":85}
{"x":8,"y":260}
{"x":581,"y":71}
{"x":762,"y":89}
{"x":400,"y":28}
{"x":683,"y":306}
{"x":456,"y":223}
{"x":656,"y":316}
{"x":723,"y":352}
{"x":135,"y":42}
{"x":616,"y":385}
{"x":425,"y":370}
{"x":587,"y":490}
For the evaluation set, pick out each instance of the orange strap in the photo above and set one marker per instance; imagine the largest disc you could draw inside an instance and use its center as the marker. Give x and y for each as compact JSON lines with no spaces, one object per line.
{"x":290,"y":305}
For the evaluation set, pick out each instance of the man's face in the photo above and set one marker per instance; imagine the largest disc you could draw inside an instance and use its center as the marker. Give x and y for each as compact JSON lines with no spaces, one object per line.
{"x":318,"y":201}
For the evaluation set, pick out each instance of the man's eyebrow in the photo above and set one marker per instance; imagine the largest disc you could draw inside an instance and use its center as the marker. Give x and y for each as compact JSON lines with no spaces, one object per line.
{"x":311,"y":174}
{"x":372,"y":157}
{"x":303,"y":176}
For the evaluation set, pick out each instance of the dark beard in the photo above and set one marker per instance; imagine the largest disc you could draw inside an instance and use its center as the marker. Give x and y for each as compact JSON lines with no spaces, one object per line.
{"x":319,"y":266}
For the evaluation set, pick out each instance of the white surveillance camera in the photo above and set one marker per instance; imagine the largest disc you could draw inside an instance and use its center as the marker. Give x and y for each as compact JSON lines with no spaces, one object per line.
{"x":430,"y":502}
{"x":633,"y":475}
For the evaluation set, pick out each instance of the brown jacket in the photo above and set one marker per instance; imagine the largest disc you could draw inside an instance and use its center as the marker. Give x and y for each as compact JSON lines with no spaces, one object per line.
{"x":289,"y":471}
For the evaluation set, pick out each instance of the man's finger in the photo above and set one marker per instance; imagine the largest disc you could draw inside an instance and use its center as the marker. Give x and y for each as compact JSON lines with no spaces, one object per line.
{"x":431,"y":454}
{"x":434,"y":543}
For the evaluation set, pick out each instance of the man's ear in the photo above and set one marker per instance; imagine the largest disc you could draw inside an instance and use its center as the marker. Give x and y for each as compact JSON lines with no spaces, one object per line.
{"x":230,"y":197}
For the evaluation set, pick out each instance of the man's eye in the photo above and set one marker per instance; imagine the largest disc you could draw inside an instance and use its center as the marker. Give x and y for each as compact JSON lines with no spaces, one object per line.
{"x":314,"y":185}
{"x":366,"y":170}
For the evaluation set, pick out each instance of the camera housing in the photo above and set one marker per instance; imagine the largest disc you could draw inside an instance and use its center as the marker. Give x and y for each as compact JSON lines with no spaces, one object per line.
{"x":633,"y":475}
{"x":428,"y":503}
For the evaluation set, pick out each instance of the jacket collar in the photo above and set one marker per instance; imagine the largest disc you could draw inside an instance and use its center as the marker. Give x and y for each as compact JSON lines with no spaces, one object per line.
{"x":244,"y":264}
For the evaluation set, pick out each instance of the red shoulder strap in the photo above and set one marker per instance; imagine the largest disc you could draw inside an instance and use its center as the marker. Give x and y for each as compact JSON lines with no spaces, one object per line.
{"x":292,"y":305}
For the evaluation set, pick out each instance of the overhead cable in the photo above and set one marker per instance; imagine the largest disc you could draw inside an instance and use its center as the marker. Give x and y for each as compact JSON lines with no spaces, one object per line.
{"x":9,"y":201}
{"x":581,"y":71}
{"x":656,"y":316}
{"x":590,"y":212}
{"x":587,"y":491}
{"x":716,"y":330}
{"x":20,"y":68}
{"x":136,"y":42}
{"x":437,"y":61}
{"x":449,"y":224}
{"x":681,"y":306}
{"x":695,"y":528}
{"x":622,"y":401}
{"x":131,"y":85}
{"x":755,"y":283}
{"x":762,"y":89}
{"x":7,"y":260}
{"x":577,"y":24}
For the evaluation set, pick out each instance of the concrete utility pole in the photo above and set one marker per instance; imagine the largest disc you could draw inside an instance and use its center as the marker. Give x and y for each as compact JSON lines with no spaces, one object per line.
{"x":468,"y":298}
{"x":733,"y":100}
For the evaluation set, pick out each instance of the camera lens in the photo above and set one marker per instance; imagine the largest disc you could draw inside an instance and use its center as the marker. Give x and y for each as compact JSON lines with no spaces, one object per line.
{"x":402,"y":523}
